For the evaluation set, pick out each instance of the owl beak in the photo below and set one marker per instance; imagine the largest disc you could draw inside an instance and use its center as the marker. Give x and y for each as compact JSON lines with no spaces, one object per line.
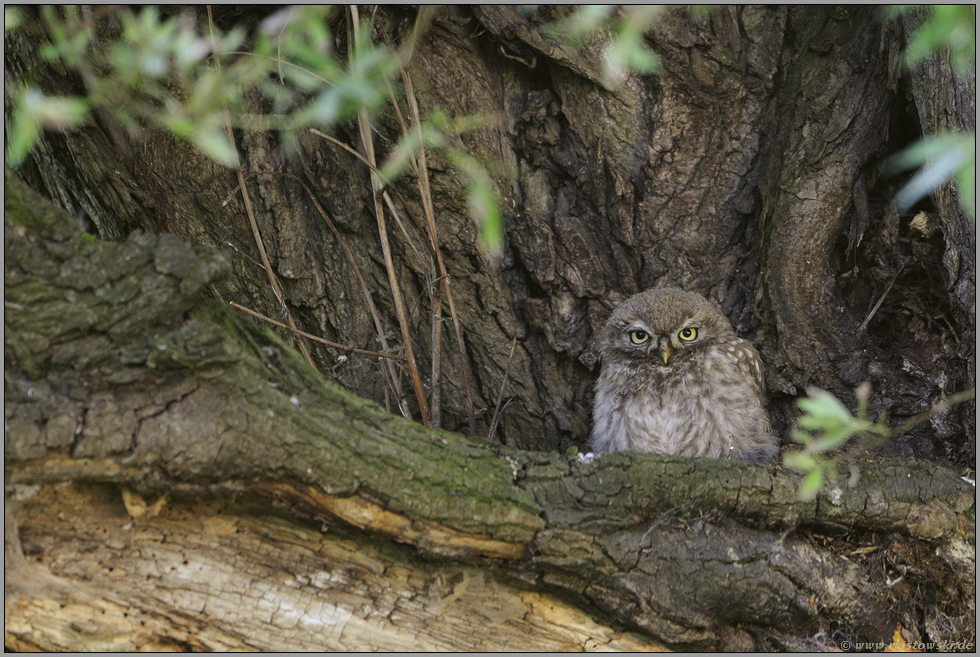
{"x":665,"y":350}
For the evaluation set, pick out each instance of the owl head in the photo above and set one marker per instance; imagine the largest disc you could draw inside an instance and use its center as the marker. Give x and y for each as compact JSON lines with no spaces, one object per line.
{"x":663,"y":326}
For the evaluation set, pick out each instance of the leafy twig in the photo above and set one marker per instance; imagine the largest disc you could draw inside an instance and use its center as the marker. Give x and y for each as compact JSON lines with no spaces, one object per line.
{"x":874,"y":441}
{"x":827,"y":424}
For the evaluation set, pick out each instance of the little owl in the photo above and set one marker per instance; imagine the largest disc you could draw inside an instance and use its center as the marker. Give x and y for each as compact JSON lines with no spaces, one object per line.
{"x":677,"y":380}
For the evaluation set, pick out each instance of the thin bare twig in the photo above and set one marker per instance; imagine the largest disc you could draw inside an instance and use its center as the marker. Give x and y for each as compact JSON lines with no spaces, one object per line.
{"x":873,"y":441}
{"x":499,"y":415}
{"x":939,"y":407}
{"x":367,"y":139}
{"x":276,"y":289}
{"x":881,"y":299}
{"x":335,"y":345}
{"x":337,"y":142}
{"x":498,"y":411}
{"x":394,"y":379}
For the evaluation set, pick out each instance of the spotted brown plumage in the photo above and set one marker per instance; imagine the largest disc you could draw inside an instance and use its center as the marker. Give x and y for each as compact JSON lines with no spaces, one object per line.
{"x":676,"y":379}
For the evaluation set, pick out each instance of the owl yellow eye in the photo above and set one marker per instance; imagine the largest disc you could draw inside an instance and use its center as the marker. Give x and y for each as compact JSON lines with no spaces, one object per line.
{"x":639,"y":337}
{"x":688,"y":334}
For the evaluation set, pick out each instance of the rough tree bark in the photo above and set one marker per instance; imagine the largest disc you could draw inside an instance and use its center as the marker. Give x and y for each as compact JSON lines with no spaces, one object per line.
{"x":178,"y":476}
{"x":746,"y":170}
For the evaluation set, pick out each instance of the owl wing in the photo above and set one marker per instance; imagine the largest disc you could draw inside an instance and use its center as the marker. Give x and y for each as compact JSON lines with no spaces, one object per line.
{"x":749,"y":364}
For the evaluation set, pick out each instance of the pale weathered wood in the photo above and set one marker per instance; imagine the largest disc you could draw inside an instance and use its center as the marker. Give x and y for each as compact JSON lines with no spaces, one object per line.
{"x":225,"y":576}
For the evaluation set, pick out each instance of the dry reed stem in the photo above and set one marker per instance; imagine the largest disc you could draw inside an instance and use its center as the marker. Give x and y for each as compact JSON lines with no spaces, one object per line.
{"x":376,"y":191}
{"x":430,"y":218}
{"x":435,"y":302}
{"x":337,"y":142}
{"x":436,"y":375}
{"x":420,"y":168}
{"x":410,"y":237}
{"x":276,"y":289}
{"x":435,"y":298}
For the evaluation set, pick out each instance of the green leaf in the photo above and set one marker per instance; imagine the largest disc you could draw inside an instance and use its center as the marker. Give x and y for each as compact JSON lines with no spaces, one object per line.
{"x":214,"y":142}
{"x":801,"y":437}
{"x":483,"y":204}
{"x":481,"y":200}
{"x":34,"y":111}
{"x":178,"y":124}
{"x":11,"y":19}
{"x":799,"y":461}
{"x":400,"y":157}
{"x":818,"y":423}
{"x":921,"y":152}
{"x":947,"y":26}
{"x":951,"y":155}
{"x":576,"y":30}
{"x":966,"y":184}
{"x":822,"y":404}
{"x":810,"y":486}
{"x":834,"y":437}
{"x":937,"y":170}
{"x":24,"y":133}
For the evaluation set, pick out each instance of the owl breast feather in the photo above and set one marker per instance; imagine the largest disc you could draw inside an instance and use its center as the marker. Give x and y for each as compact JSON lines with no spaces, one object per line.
{"x":701,"y":409}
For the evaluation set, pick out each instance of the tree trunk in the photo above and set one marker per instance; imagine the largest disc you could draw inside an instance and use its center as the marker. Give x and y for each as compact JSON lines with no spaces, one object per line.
{"x":180,"y":477}
{"x":746,"y":170}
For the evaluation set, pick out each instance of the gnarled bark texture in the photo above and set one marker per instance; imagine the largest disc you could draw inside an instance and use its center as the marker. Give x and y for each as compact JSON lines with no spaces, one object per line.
{"x":178,"y":477}
{"x":747,"y":170}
